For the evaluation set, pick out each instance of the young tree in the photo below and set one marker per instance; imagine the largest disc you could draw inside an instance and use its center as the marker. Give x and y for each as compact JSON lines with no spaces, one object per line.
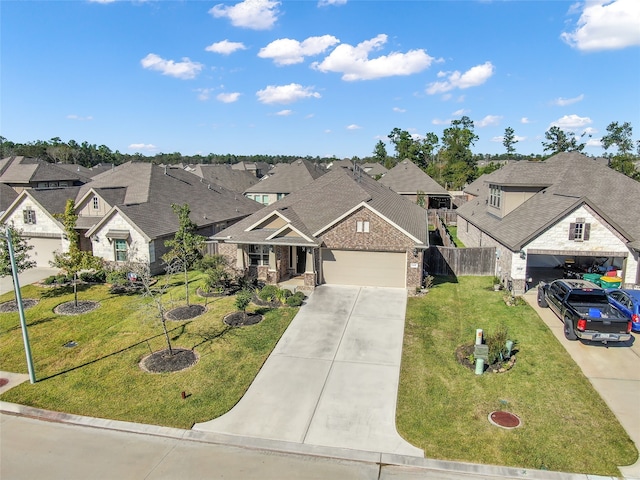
{"x":509,"y":140}
{"x":74,"y":260}
{"x":559,"y":141}
{"x":185,"y":247}
{"x":243,"y":299}
{"x":21,"y":251}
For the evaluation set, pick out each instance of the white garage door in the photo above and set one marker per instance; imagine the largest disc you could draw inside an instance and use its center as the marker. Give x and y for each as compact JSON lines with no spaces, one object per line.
{"x":43,"y":249}
{"x":376,"y":269}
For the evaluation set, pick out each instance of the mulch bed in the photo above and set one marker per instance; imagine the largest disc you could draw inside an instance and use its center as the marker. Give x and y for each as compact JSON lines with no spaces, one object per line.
{"x":163,"y":362}
{"x":12,"y":305}
{"x":185,"y":313}
{"x":69,"y":308}
{"x":464,"y":352}
{"x":239,"y":319}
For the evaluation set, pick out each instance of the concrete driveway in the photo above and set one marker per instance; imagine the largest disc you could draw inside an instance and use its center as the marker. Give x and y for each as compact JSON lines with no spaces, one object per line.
{"x":26,"y":278}
{"x":332,"y":379}
{"x":613,"y":370}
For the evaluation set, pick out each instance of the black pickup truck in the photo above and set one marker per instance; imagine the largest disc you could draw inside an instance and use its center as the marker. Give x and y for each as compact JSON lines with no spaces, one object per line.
{"x":585,"y":310}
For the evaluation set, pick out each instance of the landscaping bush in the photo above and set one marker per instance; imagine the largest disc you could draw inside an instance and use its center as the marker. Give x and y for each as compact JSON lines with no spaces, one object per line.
{"x":497,"y":343}
{"x":98,"y":276}
{"x":295,"y":300}
{"x":117,"y":277}
{"x":268,"y":293}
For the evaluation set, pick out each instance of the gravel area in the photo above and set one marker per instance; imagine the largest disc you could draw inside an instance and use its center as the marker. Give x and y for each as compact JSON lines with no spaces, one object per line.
{"x":162,"y":362}
{"x":69,"y":308}
{"x":185,"y":313}
{"x":12,"y":305}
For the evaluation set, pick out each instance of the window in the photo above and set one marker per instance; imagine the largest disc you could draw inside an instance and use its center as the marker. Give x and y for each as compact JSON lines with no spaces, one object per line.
{"x":281,"y":196}
{"x":494,"y":196}
{"x":152,"y":252}
{"x":258,"y":255}
{"x":362,"y":226}
{"x":95,"y":203}
{"x":579,"y":230}
{"x":265,"y":199}
{"x":120,"y":250}
{"x":29,"y":216}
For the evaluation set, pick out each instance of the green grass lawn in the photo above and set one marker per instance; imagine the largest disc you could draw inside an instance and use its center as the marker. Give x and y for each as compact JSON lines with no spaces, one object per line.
{"x":443,"y":406}
{"x":453,"y":230}
{"x":100,"y":377}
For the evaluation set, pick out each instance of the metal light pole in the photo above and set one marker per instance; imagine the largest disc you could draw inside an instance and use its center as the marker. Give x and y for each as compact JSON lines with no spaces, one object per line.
{"x":23,"y":322}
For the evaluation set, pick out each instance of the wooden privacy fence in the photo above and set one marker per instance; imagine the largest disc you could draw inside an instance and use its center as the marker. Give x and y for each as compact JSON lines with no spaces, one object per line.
{"x":461,"y":261}
{"x":448,"y":216}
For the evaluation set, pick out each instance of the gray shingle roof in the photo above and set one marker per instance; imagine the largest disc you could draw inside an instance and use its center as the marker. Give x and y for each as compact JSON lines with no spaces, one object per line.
{"x":233,"y":179}
{"x":573,"y":179}
{"x":287,"y":177}
{"x":26,"y":170}
{"x":373,"y":169}
{"x":7,"y":196}
{"x":406,"y":177}
{"x":328,"y":198}
{"x":152,"y":189}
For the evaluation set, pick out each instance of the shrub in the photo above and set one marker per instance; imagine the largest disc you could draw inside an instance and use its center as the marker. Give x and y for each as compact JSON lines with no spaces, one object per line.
{"x":296,"y":299}
{"x":243,"y":299}
{"x":497,"y":342}
{"x":117,"y":277}
{"x":268,"y":293}
{"x":98,"y":276}
{"x":49,"y":280}
{"x":283,"y":294}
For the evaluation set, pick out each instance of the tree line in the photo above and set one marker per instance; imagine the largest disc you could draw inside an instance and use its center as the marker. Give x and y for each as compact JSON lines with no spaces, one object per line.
{"x":448,"y":158}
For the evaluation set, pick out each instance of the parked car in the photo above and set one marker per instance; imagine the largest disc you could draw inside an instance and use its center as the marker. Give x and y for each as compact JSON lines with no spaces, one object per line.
{"x":585,"y":310}
{"x":628,"y":302}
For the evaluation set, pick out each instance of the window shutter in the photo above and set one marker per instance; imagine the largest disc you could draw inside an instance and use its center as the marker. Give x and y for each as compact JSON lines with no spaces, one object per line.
{"x":572,"y":231}
{"x":33,"y":217}
{"x":587,"y":229}
{"x":24,"y":217}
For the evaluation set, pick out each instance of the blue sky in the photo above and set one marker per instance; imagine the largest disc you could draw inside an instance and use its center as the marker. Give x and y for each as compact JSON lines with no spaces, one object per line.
{"x":327,"y":78}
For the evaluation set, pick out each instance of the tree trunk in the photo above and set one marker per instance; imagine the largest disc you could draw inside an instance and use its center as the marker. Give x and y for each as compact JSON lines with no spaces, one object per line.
{"x":75,"y":290}
{"x":186,"y":282}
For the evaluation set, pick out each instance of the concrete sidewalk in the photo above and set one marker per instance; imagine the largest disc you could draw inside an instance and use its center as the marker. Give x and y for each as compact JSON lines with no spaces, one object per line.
{"x":613,"y":370}
{"x":332,"y":379}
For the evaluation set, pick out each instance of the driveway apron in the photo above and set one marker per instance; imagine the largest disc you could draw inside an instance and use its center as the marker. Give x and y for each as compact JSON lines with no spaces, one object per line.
{"x":332,"y":379}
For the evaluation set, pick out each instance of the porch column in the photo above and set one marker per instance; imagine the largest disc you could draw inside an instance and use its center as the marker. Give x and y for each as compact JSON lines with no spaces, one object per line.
{"x":240,"y":257}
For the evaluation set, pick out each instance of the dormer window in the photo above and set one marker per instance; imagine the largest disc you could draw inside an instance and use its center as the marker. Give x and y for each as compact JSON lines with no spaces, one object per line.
{"x":362,"y":226}
{"x":495,"y":194}
{"x":29,"y":216}
{"x":95,"y":203}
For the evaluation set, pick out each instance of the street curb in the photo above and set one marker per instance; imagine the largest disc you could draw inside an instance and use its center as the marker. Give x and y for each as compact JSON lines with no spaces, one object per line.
{"x":391,"y":462}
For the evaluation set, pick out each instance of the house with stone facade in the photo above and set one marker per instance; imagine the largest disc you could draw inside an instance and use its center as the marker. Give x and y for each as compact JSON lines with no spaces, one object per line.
{"x":409,"y":180}
{"x":125,"y":213}
{"x":343,"y":228}
{"x":283,"y":179}
{"x":541,"y":216}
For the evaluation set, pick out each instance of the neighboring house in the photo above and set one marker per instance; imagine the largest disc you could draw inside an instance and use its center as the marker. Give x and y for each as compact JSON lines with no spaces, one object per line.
{"x":257,"y":169}
{"x":7,"y":196}
{"x":340,"y":229}
{"x":540,"y":215}
{"x":225,"y":176}
{"x":345,"y":163}
{"x":33,"y":213}
{"x":283,"y":179}
{"x":409,"y":180}
{"x":374,"y":169}
{"x":23,"y":172}
{"x":125,"y":213}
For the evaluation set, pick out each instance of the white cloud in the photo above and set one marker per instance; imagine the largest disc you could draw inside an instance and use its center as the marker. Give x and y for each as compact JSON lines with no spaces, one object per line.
{"x":284,"y":113}
{"x":286,"y":51}
{"x":142,"y":146}
{"x":594,"y":142}
{"x":606,"y":25}
{"x":590,"y":131}
{"x":228,"y":97}
{"x":399,"y":110}
{"x":79,"y":118}
{"x":438,"y":121}
{"x":354,"y":62}
{"x":489,"y":121}
{"x":563,"y":102}
{"x":471,"y":78}
{"x":326,"y":3}
{"x":185,"y":70}
{"x":254,"y":14}
{"x":225,"y":47}
{"x":460,"y":112}
{"x":285,"y":93}
{"x":353,"y":126}
{"x":204,"y":93}
{"x":525,"y":120}
{"x":571,"y":122}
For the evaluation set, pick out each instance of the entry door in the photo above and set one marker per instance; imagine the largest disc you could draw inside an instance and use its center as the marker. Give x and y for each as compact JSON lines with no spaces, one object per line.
{"x":301,"y":260}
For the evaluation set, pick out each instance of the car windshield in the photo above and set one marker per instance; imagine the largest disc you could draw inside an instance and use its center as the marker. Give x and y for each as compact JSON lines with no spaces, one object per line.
{"x":588,"y":297}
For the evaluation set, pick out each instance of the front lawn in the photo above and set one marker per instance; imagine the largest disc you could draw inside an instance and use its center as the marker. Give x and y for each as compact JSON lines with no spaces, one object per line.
{"x":443,"y":406}
{"x":100,"y":376}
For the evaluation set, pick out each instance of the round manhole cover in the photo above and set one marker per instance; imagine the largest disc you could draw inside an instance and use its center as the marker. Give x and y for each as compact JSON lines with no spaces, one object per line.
{"x":504,"y":419}
{"x":3,"y":381}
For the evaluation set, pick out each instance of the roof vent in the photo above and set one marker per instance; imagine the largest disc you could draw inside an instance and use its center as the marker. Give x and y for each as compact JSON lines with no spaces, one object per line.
{"x":209,"y":186}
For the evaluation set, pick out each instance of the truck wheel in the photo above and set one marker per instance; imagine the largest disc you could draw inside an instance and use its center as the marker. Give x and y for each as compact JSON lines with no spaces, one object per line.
{"x":542,"y":302}
{"x":569,"y":332}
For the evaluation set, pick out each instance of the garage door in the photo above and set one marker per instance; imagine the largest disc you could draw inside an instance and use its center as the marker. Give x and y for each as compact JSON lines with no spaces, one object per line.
{"x":43,"y":249}
{"x":377,"y":269}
